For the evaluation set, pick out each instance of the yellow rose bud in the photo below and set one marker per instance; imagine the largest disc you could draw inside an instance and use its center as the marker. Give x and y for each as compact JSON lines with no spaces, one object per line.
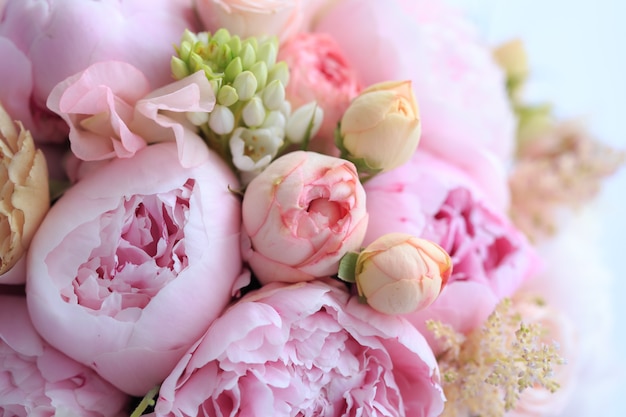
{"x":25,"y":198}
{"x":399,"y":273}
{"x":381,"y":126}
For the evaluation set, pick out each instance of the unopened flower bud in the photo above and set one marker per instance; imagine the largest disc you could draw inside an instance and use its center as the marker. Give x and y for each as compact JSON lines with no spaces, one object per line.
{"x":253,"y":112}
{"x":268,"y":52}
{"x":245,"y":84}
{"x":400,"y":273}
{"x":24,"y":198}
{"x":221,"y":120}
{"x":248,"y":55}
{"x":381,"y":129}
{"x":233,"y":69}
{"x":274,"y":95}
{"x":227,"y":96}
{"x":259,"y":69}
{"x":279,"y":72}
{"x":304,"y":123}
{"x":197,"y":118}
{"x":179,"y":68}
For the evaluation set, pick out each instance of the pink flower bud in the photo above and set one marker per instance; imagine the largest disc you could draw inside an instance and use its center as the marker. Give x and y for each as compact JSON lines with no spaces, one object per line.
{"x":399,"y":273}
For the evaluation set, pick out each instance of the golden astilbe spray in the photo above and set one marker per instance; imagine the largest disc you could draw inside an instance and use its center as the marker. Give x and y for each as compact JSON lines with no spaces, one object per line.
{"x":485,"y":372}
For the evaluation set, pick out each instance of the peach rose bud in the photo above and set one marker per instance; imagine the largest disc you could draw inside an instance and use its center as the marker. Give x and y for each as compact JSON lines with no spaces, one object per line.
{"x":399,"y":273}
{"x":381,"y":128}
{"x":24,"y":186}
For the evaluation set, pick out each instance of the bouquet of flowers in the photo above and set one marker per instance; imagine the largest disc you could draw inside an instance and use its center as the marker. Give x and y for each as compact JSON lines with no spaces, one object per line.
{"x":282,"y":207}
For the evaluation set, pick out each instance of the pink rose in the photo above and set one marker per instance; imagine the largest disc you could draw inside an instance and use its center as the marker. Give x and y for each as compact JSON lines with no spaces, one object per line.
{"x":282,"y":18}
{"x":460,"y":89}
{"x":38,"y":380}
{"x":133,"y":263}
{"x":304,"y":349}
{"x":301,"y":215}
{"x":112,"y":112}
{"x":43,"y":43}
{"x":319,"y":72}
{"x":434,"y":200}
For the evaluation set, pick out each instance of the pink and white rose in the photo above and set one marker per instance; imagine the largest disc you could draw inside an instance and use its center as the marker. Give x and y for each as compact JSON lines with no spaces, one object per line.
{"x":43,"y":43}
{"x":38,"y":380}
{"x":460,"y":88}
{"x":318,"y":71}
{"x":281,"y":18}
{"x":133,"y":263}
{"x":301,"y":215}
{"x":434,"y":200}
{"x":304,"y":349}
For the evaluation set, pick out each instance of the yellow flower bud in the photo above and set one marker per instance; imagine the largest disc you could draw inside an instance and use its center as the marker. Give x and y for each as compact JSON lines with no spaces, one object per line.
{"x":381,"y":126}
{"x":399,"y":273}
{"x":25,"y":197}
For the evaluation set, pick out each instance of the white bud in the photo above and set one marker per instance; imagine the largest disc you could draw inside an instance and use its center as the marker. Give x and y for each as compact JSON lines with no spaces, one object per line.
{"x":253,"y":112}
{"x":245,"y":83}
{"x":279,"y":72}
{"x":227,"y":96}
{"x":221,"y":120}
{"x":267,"y":53}
{"x":304,"y":123}
{"x":274,"y":95}
{"x":197,"y":118}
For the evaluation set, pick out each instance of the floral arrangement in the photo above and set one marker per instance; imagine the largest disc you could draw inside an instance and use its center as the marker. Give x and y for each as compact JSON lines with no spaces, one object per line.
{"x":280,"y":207}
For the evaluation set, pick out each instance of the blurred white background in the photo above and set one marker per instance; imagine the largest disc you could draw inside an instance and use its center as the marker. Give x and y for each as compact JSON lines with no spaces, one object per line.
{"x":577,"y":53}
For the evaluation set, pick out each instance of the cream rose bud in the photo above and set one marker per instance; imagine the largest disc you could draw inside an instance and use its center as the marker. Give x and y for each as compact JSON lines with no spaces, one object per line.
{"x":301,"y":215}
{"x":381,"y":126}
{"x":399,"y":273}
{"x":24,"y":198}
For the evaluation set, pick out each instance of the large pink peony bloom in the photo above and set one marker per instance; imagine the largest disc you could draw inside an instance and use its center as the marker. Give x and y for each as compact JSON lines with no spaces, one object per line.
{"x":44,"y":42}
{"x":301,"y":215}
{"x":38,"y":380}
{"x":304,"y":349}
{"x":434,"y":200}
{"x":459,"y":87}
{"x":319,"y":72}
{"x":133,"y":263}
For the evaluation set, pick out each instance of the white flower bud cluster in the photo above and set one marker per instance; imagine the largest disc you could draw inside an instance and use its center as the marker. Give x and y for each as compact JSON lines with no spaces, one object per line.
{"x":251,"y":120}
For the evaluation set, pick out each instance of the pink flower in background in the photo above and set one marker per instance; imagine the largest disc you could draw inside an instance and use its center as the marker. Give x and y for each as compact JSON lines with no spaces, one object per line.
{"x":98,"y":105}
{"x":431,"y":199}
{"x":301,"y":215}
{"x":38,"y":380}
{"x":459,"y":87}
{"x":559,"y":330}
{"x":133,"y":263}
{"x":43,"y":43}
{"x":304,"y":349}
{"x":319,"y":72}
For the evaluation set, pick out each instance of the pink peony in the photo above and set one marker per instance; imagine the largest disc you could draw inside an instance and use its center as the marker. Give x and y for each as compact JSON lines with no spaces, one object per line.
{"x":112,"y":112}
{"x":44,"y":42}
{"x":304,"y":349}
{"x":301,"y":215}
{"x":319,"y":72}
{"x":459,"y":87}
{"x":434,"y":200}
{"x":133,"y":263}
{"x":38,"y":380}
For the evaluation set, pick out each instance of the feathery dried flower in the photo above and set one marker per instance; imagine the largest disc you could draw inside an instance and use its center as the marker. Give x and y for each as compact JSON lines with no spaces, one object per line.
{"x":24,"y":198}
{"x":485,"y":372}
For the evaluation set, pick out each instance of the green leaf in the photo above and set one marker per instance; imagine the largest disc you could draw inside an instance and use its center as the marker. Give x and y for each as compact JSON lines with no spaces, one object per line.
{"x":347,"y":267}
